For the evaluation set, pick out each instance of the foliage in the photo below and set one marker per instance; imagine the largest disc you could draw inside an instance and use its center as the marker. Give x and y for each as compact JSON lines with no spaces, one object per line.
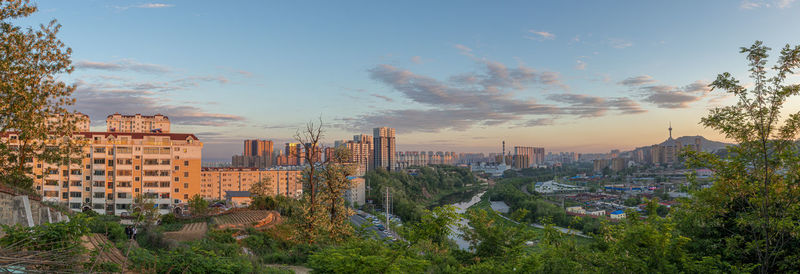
{"x":412,"y":193}
{"x":145,"y":211}
{"x":34,"y":99}
{"x":433,"y":226}
{"x":107,"y":225}
{"x":198,"y":205}
{"x":204,"y":256}
{"x":48,"y":236}
{"x":367,"y":256}
{"x":750,"y":217}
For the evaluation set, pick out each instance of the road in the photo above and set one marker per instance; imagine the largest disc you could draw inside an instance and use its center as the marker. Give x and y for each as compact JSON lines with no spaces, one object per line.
{"x":359,"y":221}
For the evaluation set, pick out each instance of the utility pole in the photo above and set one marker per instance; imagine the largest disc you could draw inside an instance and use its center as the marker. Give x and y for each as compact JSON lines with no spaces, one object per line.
{"x":387,"y":209}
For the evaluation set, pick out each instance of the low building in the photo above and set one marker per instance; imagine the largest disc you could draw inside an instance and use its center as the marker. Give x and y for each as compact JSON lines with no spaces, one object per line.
{"x":617,"y":215}
{"x":596,"y":213}
{"x":238,"y":198}
{"x":576,"y":210}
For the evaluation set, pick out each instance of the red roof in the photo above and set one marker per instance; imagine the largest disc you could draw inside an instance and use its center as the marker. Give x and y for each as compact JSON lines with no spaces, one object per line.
{"x":134,"y":135}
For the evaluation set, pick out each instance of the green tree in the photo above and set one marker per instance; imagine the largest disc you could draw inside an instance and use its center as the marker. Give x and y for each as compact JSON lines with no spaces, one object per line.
{"x":198,"y":205}
{"x":751,"y":213}
{"x":33,"y":100}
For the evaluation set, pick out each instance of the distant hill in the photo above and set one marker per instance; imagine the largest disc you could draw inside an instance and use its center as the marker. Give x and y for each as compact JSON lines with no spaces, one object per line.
{"x":708,"y":145}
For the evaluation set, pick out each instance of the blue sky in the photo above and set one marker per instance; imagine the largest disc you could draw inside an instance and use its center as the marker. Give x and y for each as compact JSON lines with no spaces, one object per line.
{"x":584,"y":76}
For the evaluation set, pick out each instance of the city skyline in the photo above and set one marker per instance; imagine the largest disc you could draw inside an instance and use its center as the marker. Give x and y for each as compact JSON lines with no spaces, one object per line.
{"x":449,"y":77}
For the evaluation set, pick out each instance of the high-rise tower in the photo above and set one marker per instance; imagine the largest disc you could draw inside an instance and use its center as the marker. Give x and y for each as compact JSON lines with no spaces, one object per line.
{"x":384,"y":147}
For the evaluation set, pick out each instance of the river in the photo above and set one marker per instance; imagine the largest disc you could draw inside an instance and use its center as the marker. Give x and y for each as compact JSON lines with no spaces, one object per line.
{"x":455,"y":233}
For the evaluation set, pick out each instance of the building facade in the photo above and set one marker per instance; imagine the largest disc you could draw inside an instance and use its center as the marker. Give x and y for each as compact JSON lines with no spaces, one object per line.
{"x":215,"y":182}
{"x":137,"y":123}
{"x":384,"y":147}
{"x":115,"y":167}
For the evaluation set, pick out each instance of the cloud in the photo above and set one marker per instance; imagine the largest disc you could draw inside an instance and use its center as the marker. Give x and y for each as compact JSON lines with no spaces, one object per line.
{"x":416,"y":60}
{"x":619,"y":43}
{"x":592,"y":106}
{"x":122,"y":65}
{"x":665,"y":96}
{"x":540,"y":35}
{"x":464,"y":50}
{"x":146,"y":6}
{"x":383,"y":97}
{"x":754,"y":4}
{"x":101,"y":99}
{"x":478,"y":99}
{"x":638,"y":80}
{"x":581,"y":65}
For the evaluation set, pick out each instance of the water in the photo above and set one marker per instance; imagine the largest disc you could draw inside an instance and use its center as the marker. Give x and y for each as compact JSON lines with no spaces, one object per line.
{"x":455,"y":233}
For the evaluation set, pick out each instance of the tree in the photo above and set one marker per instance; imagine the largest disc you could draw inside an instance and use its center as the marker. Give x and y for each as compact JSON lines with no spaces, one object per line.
{"x":198,"y":205}
{"x":310,"y":140}
{"x":751,"y":211}
{"x":335,"y":182}
{"x":33,"y":100}
{"x":261,"y":188}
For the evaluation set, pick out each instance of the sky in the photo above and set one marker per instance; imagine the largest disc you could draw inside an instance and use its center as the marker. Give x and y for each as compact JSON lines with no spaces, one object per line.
{"x":583,"y":76}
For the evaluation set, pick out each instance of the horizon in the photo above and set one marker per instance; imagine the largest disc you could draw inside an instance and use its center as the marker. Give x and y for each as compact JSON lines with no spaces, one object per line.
{"x":449,"y":77}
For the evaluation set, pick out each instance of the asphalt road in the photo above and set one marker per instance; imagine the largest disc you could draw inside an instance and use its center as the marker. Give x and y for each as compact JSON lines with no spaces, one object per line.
{"x":358,"y":221}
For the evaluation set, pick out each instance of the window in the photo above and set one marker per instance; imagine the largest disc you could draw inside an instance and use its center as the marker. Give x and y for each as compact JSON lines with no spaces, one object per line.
{"x":50,"y":193}
{"x":110,"y":185}
{"x":123,"y":195}
{"x":110,"y":196}
{"x":124,"y":162}
{"x":75,"y":183}
{"x":75,"y":172}
{"x":165,"y":195}
{"x":151,"y":173}
{"x":123,"y":184}
{"x":136,"y":179}
{"x":74,"y":205}
{"x":99,"y":161}
{"x":97,"y":206}
{"x":148,"y":162}
{"x":74,"y":194}
{"x":185,"y":163}
{"x":99,"y":150}
{"x":176,"y":190}
{"x":123,"y":206}
{"x":98,"y":172}
{"x":185,"y":196}
{"x":163,"y":173}
{"x":65,"y":195}
{"x":65,"y":173}
{"x":176,"y":179}
{"x":151,"y":150}
{"x":97,"y":184}
{"x":185,"y":185}
{"x":136,"y":167}
{"x":124,"y":172}
{"x":123,"y":150}
{"x":177,"y":167}
{"x":151,"y":195}
{"x":51,"y":183}
{"x":64,"y":184}
{"x":185,"y":174}
{"x":150,"y":184}
{"x":165,"y":162}
{"x":99,"y":195}
{"x":164,"y":184}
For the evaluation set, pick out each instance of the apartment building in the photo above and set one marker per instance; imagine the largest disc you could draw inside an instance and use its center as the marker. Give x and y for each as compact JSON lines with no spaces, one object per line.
{"x":137,"y":123}
{"x":115,"y":167}
{"x":215,"y":182}
{"x":384,"y":148}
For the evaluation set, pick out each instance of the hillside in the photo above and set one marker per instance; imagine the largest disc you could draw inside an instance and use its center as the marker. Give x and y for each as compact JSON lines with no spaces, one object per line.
{"x":708,"y":145}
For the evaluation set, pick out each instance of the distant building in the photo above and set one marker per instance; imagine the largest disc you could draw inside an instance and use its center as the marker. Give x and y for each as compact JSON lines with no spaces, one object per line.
{"x":384,"y":147}
{"x":600,"y":164}
{"x":137,"y":123}
{"x":215,"y":182}
{"x":238,"y":198}
{"x":668,"y":152}
{"x":356,"y":193}
{"x":618,"y":164}
{"x":617,"y":215}
{"x":525,"y":157}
